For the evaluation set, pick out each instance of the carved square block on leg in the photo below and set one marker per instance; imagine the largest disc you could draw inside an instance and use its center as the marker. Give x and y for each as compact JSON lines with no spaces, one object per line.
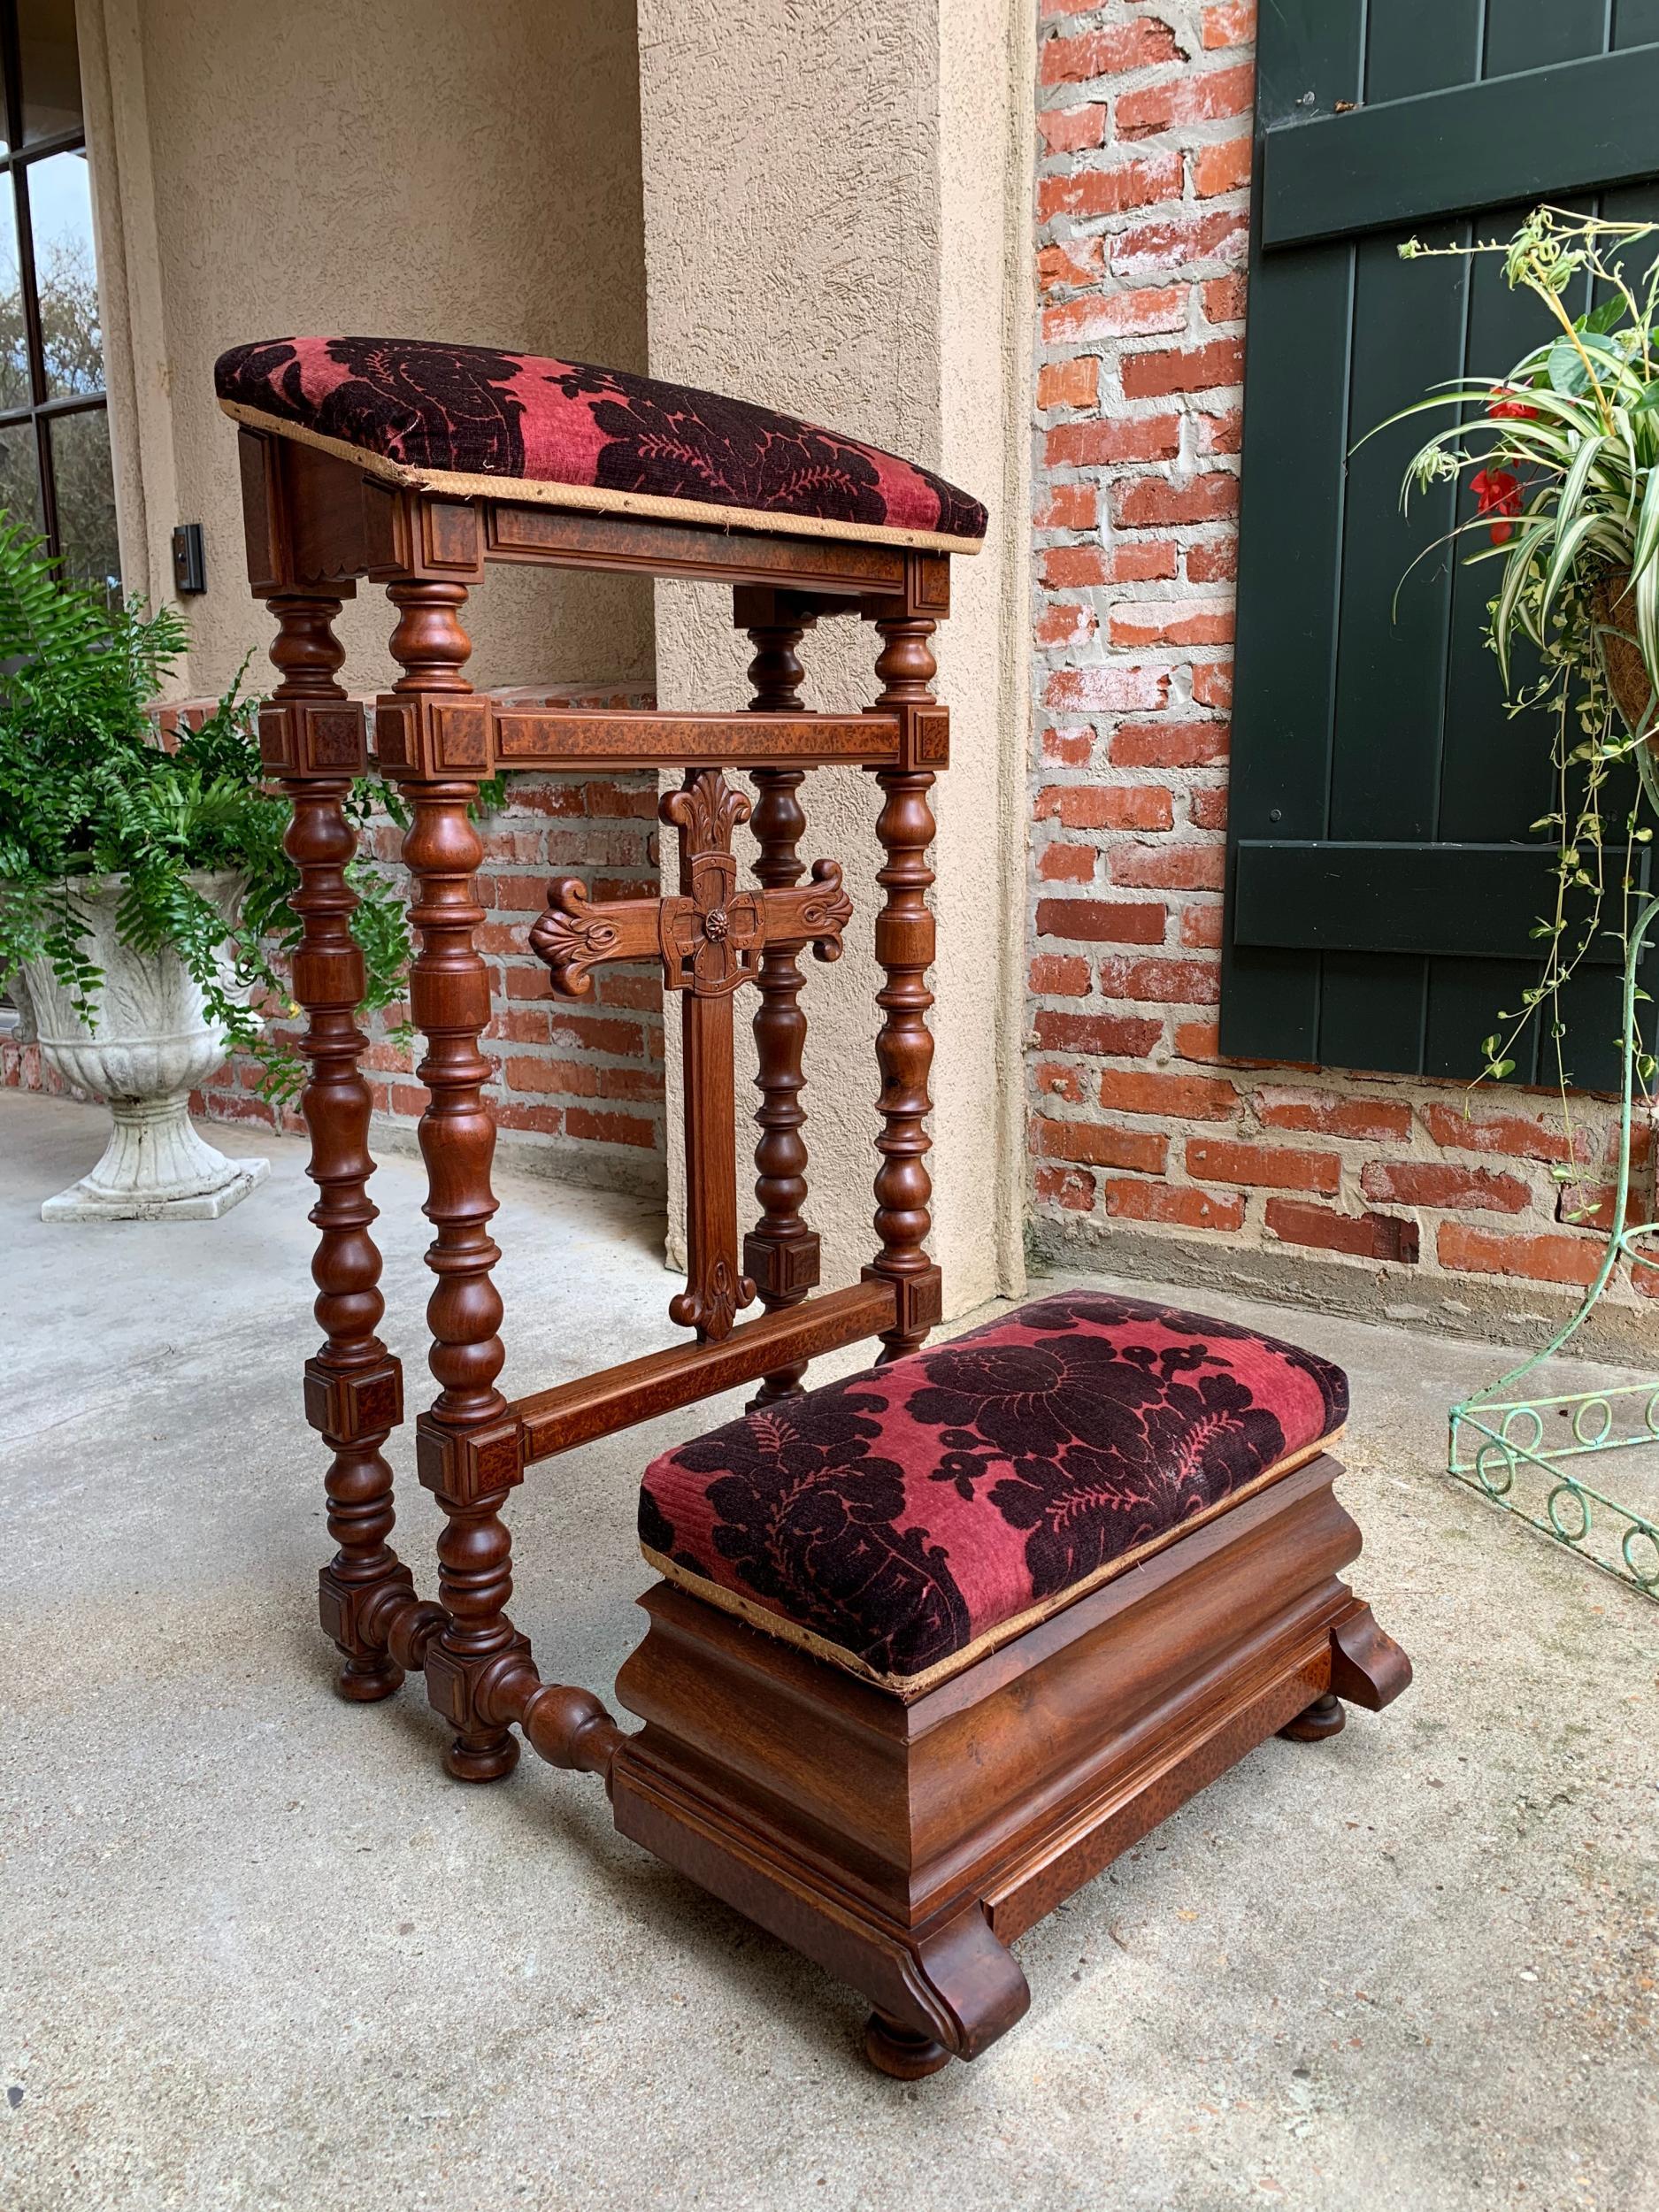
{"x":918,"y":1299}
{"x":345,"y":1606}
{"x":344,"y":1407}
{"x":465,"y":1688}
{"x":427,"y":738}
{"x":468,"y":1464}
{"x":300,"y":738}
{"x":783,"y":1267}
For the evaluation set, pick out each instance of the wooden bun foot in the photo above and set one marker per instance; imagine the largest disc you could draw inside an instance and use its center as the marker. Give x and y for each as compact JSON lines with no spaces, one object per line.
{"x":1325,"y":1716}
{"x":473,"y":1759}
{"x":905,"y":2052}
{"x":366,"y":1681}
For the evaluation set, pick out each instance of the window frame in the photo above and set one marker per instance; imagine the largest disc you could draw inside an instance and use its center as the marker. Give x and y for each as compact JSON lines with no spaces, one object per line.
{"x":43,"y":410}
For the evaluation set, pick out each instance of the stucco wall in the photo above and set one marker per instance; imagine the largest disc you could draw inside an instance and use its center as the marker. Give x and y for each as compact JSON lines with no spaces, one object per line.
{"x":398,"y":165}
{"x":833,"y":225}
{"x":406,"y":166}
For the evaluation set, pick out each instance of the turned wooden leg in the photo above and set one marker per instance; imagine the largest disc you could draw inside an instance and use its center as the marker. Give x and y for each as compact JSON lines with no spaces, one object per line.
{"x":781,"y":1252}
{"x":354,"y":1386}
{"x":905,"y":1053}
{"x":468,"y":1446}
{"x":905,"y":949}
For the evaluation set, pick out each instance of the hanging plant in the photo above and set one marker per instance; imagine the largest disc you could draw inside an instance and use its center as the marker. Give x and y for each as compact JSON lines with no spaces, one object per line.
{"x":1562,"y":453}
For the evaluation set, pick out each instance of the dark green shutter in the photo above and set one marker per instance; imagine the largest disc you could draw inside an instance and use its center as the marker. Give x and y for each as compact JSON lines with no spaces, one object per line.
{"x":1382,"y":875}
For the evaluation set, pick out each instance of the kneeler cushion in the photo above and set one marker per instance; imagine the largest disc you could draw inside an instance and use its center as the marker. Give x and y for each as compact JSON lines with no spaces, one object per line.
{"x":906,"y":1521}
{"x":579,"y":436}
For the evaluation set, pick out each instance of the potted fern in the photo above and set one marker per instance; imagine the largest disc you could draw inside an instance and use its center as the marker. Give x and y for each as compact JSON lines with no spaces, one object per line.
{"x":143,"y":889}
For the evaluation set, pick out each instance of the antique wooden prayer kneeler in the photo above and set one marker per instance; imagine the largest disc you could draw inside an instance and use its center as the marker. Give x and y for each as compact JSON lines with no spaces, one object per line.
{"x":931,"y":1646}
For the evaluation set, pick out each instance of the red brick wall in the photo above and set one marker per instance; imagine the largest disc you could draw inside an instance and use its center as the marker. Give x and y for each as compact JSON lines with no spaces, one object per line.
{"x":1143,"y":1136}
{"x":578,"y":1089}
{"x":22,"y":1068}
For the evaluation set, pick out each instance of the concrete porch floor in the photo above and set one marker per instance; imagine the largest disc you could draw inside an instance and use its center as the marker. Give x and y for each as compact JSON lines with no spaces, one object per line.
{"x":261,"y":1952}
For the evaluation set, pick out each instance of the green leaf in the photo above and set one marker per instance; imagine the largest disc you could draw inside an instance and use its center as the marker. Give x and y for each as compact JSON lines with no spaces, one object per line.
{"x":1506,"y":611}
{"x":1606,"y":317}
{"x":1648,"y":604}
{"x":1578,"y":476}
{"x":1645,"y":543}
{"x":1567,"y":372}
{"x":1573,"y":528}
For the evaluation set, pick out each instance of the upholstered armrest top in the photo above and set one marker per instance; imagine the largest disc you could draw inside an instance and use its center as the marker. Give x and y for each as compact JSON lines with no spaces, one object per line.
{"x":904,"y":1522}
{"x":472,"y":420}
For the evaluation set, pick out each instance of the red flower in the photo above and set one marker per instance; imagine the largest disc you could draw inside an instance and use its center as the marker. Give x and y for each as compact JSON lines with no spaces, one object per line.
{"x":1497,"y":492}
{"x":1503,"y":404}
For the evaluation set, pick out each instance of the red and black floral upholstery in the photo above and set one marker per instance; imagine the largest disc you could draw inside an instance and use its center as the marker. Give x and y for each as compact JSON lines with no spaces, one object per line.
{"x":904,"y":1521}
{"x":590,"y":437}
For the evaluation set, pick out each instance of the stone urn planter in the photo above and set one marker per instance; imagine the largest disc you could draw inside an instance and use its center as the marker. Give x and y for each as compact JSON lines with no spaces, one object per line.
{"x":151,"y":1045}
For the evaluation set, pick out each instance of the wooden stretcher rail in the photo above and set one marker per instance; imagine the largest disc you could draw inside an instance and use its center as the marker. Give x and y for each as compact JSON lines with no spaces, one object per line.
{"x":554,"y":737}
{"x":517,"y":532}
{"x":575,"y":1413}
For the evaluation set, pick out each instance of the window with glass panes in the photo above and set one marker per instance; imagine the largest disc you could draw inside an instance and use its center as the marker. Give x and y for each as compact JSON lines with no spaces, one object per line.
{"x":54,"y":473}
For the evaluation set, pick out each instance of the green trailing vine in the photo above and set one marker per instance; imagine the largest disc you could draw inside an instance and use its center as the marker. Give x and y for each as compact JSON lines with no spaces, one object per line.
{"x":87,"y":790}
{"x":1562,"y":453}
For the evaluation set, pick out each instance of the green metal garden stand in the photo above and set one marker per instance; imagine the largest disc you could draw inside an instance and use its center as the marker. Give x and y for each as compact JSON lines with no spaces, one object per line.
{"x":1531,"y":1455}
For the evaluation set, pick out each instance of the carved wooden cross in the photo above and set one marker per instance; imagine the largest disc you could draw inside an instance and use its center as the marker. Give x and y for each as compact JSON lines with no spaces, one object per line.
{"x":708,"y":939}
